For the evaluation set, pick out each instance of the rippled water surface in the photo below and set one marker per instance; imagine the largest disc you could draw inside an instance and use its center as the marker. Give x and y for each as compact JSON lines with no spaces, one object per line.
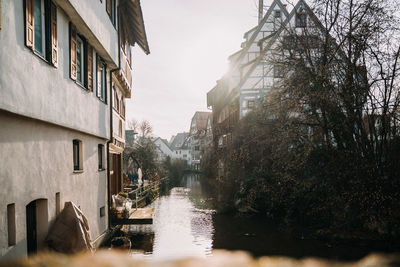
{"x":183,"y":226}
{"x":179,"y":228}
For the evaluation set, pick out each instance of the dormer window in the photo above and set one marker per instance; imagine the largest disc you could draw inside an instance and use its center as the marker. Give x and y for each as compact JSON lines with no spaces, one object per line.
{"x":277,"y":14}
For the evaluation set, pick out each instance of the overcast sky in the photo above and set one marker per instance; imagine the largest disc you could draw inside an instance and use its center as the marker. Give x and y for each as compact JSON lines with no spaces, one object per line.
{"x":190,"y":41}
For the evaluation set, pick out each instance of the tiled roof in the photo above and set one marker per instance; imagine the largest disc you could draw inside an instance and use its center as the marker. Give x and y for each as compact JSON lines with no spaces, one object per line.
{"x":178,"y":141}
{"x":200,"y":119}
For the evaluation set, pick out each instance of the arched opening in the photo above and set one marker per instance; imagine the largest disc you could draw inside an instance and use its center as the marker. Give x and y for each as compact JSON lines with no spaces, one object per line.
{"x":36,"y":224}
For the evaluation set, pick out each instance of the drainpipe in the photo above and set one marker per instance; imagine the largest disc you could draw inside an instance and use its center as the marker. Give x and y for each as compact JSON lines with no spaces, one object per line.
{"x":111,"y":121}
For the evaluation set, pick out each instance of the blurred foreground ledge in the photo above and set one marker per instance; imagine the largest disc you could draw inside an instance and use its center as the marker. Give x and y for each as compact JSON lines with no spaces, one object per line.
{"x":219,"y":258}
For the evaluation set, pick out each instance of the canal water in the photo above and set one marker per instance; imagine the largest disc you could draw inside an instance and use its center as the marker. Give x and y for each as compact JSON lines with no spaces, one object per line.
{"x":185,"y":226}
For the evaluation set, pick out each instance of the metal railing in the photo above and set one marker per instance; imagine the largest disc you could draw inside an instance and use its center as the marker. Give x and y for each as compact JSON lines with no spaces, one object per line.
{"x":141,"y":192}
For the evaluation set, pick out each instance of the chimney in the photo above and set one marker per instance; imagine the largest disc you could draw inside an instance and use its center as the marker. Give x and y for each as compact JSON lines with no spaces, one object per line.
{"x":260,"y":10}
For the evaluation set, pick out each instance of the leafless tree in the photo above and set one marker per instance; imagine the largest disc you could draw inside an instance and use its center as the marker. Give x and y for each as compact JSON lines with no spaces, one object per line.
{"x":145,"y":129}
{"x":325,"y":143}
{"x":133,"y":124}
{"x":342,"y":75}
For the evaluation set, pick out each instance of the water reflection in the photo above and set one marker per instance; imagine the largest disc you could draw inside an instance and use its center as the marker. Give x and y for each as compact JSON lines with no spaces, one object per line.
{"x":183,"y":226}
{"x":180,"y":229}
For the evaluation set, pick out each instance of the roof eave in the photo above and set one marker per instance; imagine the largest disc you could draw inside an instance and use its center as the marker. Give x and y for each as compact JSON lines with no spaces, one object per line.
{"x":132,"y":24}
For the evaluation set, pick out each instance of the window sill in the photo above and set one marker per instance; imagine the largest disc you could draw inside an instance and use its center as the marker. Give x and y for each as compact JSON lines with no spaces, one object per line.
{"x":82,"y":86}
{"x":42,"y":57}
{"x":101,"y":170}
{"x":104,"y":101}
{"x":78,"y":171}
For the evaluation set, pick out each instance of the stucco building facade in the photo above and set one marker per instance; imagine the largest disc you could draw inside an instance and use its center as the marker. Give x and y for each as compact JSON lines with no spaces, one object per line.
{"x":180,"y":146}
{"x":57,"y":62}
{"x":197,"y":136}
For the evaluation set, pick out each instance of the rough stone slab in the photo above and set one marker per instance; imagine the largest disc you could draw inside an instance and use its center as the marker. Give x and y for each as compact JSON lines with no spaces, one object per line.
{"x":143,"y":213}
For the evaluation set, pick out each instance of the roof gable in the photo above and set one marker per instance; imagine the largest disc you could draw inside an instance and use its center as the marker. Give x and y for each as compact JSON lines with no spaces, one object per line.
{"x":274,"y":37}
{"x":258,"y":28}
{"x":178,"y":141}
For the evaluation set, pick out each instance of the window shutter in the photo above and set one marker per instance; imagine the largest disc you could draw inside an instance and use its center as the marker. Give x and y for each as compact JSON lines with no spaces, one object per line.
{"x":53,"y":25}
{"x":72,"y":37}
{"x":29,"y":24}
{"x":108,"y":7}
{"x":90,"y":67}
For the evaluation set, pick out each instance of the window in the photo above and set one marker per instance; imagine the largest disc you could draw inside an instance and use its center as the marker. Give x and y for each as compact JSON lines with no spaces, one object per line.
{"x":100,"y":154}
{"x":12,"y":233}
{"x":77,"y":154}
{"x":288,"y":42}
{"x":58,"y":203}
{"x":102,"y":211}
{"x":39,"y":18}
{"x":301,"y":19}
{"x":110,"y":8}
{"x":115,"y":103}
{"x":41,"y":29}
{"x":277,"y":14}
{"x":81,"y":59}
{"x":301,"y":42}
{"x":122,"y":105}
{"x":309,"y":41}
{"x":129,"y":54}
{"x":250,"y":104}
{"x":118,"y":103}
{"x":278,"y":71}
{"x":80,"y":62}
{"x":127,"y":51}
{"x":101,"y":79}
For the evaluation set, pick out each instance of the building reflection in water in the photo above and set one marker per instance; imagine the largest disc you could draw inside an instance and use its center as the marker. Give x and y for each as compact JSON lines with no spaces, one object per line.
{"x":179,"y":228}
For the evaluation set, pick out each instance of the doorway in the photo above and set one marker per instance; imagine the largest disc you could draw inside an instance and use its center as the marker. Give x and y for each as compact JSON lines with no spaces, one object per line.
{"x":36,"y":225}
{"x":115,"y":174}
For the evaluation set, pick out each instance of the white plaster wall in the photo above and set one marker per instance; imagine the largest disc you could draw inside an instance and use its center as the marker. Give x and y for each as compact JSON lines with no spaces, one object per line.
{"x":29,"y":86}
{"x":163,"y":147}
{"x":180,"y":154}
{"x":94,"y":13}
{"x":37,"y":162}
{"x":116,"y":119}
